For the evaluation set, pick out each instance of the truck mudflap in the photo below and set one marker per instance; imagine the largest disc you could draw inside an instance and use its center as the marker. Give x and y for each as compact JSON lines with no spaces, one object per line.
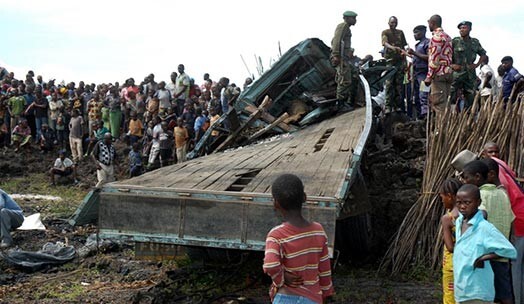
{"x":217,"y":219}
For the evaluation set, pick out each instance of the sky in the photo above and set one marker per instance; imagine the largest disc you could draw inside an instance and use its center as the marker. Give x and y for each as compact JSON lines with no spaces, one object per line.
{"x":108,"y":41}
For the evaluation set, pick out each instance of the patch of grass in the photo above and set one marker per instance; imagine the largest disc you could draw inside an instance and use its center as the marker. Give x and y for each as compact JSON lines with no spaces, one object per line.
{"x":66,"y":291}
{"x":422,"y":273}
{"x":183,"y":261}
{"x":39,"y":184}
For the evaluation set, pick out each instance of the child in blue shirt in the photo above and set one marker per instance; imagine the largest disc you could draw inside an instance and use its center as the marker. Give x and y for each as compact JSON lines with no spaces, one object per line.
{"x":477,"y":241}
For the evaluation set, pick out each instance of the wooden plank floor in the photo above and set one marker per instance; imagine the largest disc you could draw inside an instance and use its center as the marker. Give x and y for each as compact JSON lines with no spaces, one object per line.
{"x":321,"y":167}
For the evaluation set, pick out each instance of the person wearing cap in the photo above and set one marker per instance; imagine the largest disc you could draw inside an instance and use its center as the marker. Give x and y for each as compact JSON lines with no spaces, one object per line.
{"x":340,"y":50}
{"x":465,"y":51}
{"x":394,"y":43}
{"x":420,"y":69}
{"x":440,"y":52}
{"x":510,"y":78}
{"x":63,"y":166}
{"x":460,"y":160}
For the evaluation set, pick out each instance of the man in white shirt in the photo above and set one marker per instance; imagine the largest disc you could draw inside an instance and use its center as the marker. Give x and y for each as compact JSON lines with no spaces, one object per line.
{"x":155,"y":146}
{"x":171,"y":86}
{"x":63,"y":166}
{"x":181,"y":90}
{"x":487,"y":81}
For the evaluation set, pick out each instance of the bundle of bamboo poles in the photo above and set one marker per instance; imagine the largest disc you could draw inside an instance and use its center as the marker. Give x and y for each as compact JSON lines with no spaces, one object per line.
{"x":418,"y":240}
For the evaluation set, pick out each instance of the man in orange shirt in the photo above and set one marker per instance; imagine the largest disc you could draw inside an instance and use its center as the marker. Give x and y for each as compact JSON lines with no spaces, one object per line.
{"x":136,"y":129}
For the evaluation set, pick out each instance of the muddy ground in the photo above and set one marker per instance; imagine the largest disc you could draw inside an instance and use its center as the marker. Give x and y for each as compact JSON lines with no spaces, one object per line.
{"x":114,"y":274}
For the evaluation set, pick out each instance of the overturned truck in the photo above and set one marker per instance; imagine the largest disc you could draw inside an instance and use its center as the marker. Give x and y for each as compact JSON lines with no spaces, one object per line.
{"x":221,"y":198}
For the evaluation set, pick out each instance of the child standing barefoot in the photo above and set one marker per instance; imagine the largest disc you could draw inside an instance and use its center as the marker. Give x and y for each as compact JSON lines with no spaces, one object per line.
{"x":448,"y":192}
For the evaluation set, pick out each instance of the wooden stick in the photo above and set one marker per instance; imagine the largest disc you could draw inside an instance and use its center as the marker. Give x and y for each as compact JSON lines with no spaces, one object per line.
{"x":268,"y":127}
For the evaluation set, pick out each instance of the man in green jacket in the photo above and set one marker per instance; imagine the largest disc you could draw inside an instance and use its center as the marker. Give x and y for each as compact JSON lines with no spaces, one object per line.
{"x":465,"y":51}
{"x":346,"y":77}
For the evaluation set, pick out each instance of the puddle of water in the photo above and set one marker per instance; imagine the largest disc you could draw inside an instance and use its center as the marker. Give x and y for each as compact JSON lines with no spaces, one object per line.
{"x":35,"y":197}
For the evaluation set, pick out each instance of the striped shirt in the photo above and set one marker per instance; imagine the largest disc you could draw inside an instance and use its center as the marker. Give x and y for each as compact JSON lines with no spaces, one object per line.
{"x":301,"y":251}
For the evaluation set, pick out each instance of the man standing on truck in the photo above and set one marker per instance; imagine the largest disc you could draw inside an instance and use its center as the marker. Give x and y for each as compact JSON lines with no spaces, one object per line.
{"x":340,"y":51}
{"x":440,"y":53}
{"x":394,"y":43}
{"x":420,"y":70}
{"x":465,"y":50}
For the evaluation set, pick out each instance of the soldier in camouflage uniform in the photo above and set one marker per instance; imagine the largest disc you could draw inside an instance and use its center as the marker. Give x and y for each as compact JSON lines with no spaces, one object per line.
{"x":394,"y":43}
{"x":465,"y":51}
{"x":340,"y":50}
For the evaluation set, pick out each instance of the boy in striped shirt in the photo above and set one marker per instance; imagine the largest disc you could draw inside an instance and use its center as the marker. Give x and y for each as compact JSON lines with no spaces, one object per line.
{"x":296,"y":254}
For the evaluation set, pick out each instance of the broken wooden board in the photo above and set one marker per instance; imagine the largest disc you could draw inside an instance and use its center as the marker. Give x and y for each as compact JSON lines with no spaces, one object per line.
{"x":268,"y":118}
{"x":254,"y":116}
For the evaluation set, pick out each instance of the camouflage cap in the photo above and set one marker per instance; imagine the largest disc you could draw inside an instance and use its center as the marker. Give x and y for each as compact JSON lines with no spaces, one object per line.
{"x":464,"y":23}
{"x":349,"y":14}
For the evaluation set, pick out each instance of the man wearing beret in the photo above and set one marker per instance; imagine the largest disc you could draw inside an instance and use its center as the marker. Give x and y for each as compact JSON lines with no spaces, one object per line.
{"x":340,"y":52}
{"x":394,"y":43}
{"x":510,"y":78}
{"x":465,"y":51}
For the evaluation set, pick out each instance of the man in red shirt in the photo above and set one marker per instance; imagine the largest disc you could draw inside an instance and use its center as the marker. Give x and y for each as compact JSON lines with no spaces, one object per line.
{"x":440,"y":55}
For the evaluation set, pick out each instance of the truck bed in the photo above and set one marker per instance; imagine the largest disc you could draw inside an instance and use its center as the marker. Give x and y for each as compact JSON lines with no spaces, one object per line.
{"x":223,"y":200}
{"x":320,"y":155}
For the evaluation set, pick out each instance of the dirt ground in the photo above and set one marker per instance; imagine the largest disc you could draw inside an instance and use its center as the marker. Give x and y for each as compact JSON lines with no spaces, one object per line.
{"x":114,"y":274}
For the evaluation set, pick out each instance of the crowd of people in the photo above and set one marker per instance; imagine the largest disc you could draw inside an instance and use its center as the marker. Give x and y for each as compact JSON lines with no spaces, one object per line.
{"x":159,"y":122}
{"x":438,"y":73}
{"x":483,"y":230}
